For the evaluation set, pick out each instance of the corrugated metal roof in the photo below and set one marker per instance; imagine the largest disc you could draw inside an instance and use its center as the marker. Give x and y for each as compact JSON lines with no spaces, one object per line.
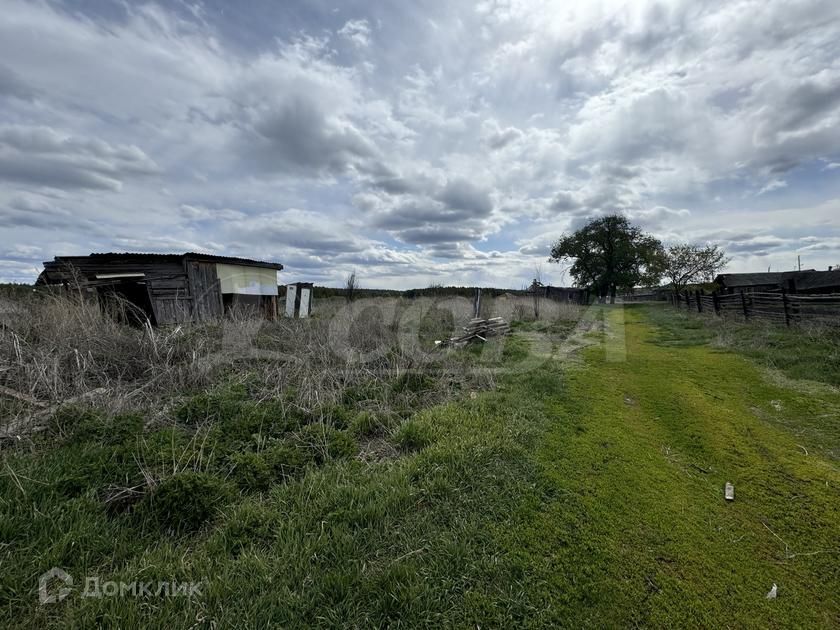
{"x":804,"y":280}
{"x":141,"y":256}
{"x":810,"y":280}
{"x":752,"y":279}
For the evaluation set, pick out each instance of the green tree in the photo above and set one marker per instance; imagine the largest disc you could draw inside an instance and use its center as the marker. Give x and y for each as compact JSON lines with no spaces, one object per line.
{"x":688,"y":264}
{"x":610,"y":254}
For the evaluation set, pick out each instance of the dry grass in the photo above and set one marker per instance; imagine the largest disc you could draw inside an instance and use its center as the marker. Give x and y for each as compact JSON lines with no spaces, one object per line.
{"x":56,"y":349}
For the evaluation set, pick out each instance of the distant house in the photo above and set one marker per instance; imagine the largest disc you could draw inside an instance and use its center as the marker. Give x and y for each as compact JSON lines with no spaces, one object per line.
{"x":560,"y":294}
{"x":817,"y":281}
{"x":809,"y":281}
{"x":752,"y":282}
{"x":171,"y":288}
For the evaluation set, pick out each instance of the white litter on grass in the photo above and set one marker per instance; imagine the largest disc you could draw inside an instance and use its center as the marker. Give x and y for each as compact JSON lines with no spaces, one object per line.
{"x":729,"y":492}
{"x":772,"y":593}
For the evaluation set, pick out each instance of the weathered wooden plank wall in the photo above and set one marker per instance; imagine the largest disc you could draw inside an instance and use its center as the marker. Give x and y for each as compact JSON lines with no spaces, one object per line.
{"x":205,"y":290}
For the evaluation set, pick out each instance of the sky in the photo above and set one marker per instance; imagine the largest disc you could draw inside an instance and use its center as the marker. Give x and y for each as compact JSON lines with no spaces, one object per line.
{"x":417,"y":143}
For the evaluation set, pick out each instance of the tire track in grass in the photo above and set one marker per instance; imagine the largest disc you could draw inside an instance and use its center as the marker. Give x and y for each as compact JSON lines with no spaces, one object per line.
{"x":634,"y":529}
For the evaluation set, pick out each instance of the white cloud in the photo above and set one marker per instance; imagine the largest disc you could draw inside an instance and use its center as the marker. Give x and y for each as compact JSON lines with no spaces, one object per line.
{"x":415,"y":141}
{"x":773,"y":184}
{"x":357,"y":32}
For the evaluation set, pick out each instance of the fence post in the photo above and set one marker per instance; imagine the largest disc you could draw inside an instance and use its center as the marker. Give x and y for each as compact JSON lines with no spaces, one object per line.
{"x":687,"y":300}
{"x":744,"y":305}
{"x":699,"y":301}
{"x":786,"y":307}
{"x":716,"y":302}
{"x":477,"y":302}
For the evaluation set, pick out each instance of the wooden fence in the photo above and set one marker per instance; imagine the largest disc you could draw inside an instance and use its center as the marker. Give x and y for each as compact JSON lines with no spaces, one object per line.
{"x":641,"y":297}
{"x":781,"y":307}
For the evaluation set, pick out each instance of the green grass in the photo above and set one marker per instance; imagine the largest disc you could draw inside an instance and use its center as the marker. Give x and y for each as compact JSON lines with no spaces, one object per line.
{"x":801,"y":351}
{"x":637,"y":532}
{"x":571,"y":496}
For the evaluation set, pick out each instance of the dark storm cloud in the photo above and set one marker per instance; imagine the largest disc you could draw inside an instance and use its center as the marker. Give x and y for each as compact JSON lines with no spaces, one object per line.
{"x":620,"y":171}
{"x":807,"y":104}
{"x":394,"y":185}
{"x":503,"y":137}
{"x":433,"y":234}
{"x":460,"y":194}
{"x":297,"y":137}
{"x":306,"y":231}
{"x":450,"y":251}
{"x":565,"y":202}
{"x":724,"y":235}
{"x":756,"y":246}
{"x":11,"y":84}
{"x":43,"y":214}
{"x":24,"y":212}
{"x":421,"y":212}
{"x":43,"y":157}
{"x":430,"y":217}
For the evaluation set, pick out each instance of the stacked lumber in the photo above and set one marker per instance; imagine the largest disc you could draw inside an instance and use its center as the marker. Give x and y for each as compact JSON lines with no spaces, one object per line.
{"x":479,"y":330}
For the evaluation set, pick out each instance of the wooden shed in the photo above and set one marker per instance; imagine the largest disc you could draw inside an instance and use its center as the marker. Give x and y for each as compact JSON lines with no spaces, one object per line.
{"x":806,"y":281}
{"x":171,"y":288}
{"x":560,"y":294}
{"x":753,"y":282}
{"x":817,"y":282}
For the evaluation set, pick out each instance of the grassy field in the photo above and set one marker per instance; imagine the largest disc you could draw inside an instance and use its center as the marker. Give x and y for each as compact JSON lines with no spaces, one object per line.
{"x":575,"y":494}
{"x":806,"y":351}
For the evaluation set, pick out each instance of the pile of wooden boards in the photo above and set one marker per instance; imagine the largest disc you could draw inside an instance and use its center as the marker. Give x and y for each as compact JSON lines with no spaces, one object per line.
{"x":479,"y":330}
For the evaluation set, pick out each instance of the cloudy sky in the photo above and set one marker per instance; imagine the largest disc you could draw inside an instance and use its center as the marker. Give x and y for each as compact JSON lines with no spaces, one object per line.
{"x":431,"y":141}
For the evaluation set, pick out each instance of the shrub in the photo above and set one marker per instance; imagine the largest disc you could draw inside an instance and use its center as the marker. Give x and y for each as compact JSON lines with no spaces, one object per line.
{"x":184,"y":502}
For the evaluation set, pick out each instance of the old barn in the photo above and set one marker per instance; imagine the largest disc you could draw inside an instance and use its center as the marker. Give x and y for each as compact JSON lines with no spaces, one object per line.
{"x":171,"y":288}
{"x":807,"y":281}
